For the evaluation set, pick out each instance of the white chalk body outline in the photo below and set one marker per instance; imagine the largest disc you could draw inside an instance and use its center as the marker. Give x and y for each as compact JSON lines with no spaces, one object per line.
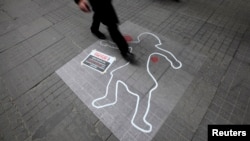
{"x":125,"y":85}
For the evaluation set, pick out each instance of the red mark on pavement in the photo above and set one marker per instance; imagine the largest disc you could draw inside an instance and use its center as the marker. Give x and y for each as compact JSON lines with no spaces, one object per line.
{"x":128,"y":38}
{"x":154,"y":59}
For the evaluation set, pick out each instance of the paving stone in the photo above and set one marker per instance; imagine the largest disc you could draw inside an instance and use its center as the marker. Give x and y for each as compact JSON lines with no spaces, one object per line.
{"x":224,"y":15}
{"x":175,"y":24}
{"x":60,"y":14}
{"x":15,"y":56}
{"x":73,"y":23}
{"x":112,"y":138}
{"x":12,"y":123}
{"x":10,"y":39}
{"x":206,"y":9}
{"x":102,"y":130}
{"x":34,"y":27}
{"x":193,"y":114}
{"x":56,"y":55}
{"x":49,"y":6}
{"x":13,"y":8}
{"x":50,"y":123}
{"x":23,"y":78}
{"x":201,"y":134}
{"x":42,"y":41}
{"x":6,"y":23}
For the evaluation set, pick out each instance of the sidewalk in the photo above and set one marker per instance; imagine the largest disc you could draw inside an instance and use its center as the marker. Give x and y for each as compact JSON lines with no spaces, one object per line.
{"x":38,"y":37}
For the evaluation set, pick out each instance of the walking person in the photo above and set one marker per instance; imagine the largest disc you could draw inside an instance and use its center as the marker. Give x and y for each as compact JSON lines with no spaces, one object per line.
{"x":104,"y":13}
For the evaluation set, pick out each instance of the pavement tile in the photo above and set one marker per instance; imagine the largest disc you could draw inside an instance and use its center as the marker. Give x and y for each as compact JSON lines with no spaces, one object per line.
{"x":15,"y":56}
{"x":34,"y":27}
{"x":23,"y":78}
{"x":10,"y":39}
{"x":42,"y":41}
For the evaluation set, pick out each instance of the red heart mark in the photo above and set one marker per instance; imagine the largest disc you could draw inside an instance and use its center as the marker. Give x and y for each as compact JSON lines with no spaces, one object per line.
{"x":154,"y":59}
{"x":128,"y":38}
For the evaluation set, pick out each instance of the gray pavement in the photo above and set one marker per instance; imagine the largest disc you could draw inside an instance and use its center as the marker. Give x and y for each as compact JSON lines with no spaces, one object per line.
{"x":38,"y":37}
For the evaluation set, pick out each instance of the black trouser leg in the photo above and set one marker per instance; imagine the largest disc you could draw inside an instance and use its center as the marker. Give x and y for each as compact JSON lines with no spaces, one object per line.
{"x":96,"y":23}
{"x":118,"y":38}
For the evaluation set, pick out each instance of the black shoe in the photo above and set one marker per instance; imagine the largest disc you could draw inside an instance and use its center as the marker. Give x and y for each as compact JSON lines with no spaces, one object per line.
{"x":130,"y":57}
{"x":99,"y":34}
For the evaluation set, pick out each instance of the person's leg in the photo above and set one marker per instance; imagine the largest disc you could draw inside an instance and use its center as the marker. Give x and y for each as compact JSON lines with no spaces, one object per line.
{"x":121,"y":43}
{"x":118,"y":38}
{"x":95,"y":27}
{"x":96,"y":23}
